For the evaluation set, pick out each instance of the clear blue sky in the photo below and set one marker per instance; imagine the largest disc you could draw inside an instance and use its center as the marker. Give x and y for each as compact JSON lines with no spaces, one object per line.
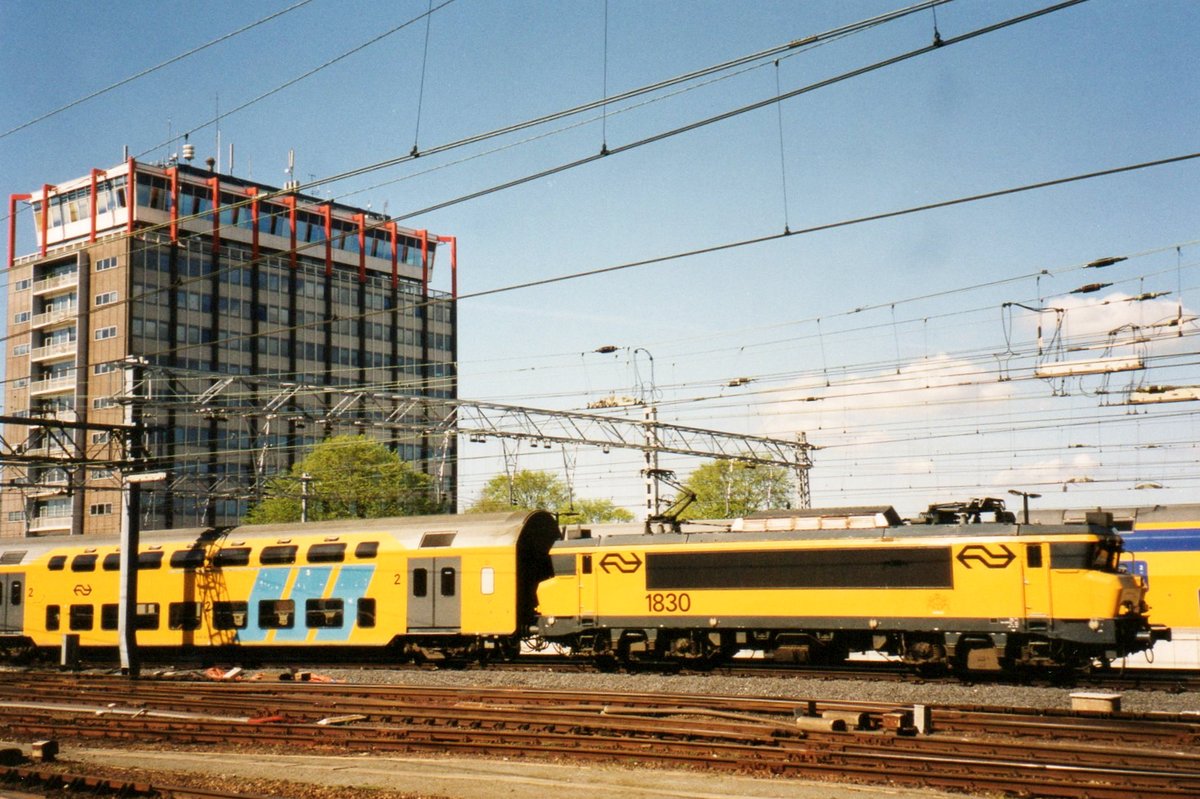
{"x":906,"y":397}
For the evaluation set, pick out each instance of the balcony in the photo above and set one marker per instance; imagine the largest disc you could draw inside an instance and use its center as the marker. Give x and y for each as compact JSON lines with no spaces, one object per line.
{"x":55,"y":316}
{"x":56,"y":350}
{"x":50,"y":524}
{"x":52,"y":385}
{"x":56,"y":283}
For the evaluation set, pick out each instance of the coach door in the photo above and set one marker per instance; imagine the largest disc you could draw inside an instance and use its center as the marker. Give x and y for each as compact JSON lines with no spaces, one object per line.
{"x":12,"y":603}
{"x":1037,"y":586}
{"x":434,"y":593}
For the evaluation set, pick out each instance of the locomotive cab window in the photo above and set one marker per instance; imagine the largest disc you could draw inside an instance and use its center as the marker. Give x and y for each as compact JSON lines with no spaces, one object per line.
{"x":1033,"y":556}
{"x":1082,"y":555}
{"x":563,"y":565}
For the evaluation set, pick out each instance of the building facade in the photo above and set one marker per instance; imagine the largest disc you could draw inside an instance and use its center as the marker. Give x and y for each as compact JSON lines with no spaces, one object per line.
{"x":236,"y":325}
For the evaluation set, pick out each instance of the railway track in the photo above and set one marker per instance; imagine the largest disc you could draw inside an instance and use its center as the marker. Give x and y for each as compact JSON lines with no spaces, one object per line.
{"x":1044,"y":753}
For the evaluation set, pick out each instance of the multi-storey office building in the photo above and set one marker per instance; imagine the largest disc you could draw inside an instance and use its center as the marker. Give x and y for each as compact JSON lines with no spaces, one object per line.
{"x":138,"y":288}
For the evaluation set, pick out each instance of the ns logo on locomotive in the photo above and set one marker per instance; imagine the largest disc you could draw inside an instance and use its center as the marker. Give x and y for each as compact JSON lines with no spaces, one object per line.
{"x":806,"y":586}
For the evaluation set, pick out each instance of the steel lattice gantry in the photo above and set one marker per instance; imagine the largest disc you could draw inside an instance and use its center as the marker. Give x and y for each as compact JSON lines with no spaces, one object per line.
{"x":264,"y":406}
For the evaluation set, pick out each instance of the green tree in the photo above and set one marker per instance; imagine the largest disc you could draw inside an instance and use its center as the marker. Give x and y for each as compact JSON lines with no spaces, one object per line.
{"x":727,"y":489}
{"x":533,"y":490}
{"x":350,"y":477}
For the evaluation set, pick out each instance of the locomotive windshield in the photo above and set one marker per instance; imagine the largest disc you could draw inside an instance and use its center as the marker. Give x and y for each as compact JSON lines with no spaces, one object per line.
{"x":1097,"y":556}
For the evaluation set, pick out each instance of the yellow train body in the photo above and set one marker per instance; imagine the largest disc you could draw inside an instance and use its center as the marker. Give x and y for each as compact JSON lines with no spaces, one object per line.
{"x":999,"y":593}
{"x":322,"y":587}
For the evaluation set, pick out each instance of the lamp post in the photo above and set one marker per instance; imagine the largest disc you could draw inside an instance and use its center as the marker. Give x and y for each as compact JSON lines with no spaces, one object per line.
{"x":1025,"y":496}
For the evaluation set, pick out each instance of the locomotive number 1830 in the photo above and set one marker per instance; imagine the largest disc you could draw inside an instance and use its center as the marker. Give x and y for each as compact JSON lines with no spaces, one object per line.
{"x":668,"y":603}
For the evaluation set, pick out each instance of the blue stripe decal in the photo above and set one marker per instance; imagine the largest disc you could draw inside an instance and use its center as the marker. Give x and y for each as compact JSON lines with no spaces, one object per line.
{"x":310,"y":584}
{"x":351,"y":584}
{"x":1177,"y":539}
{"x":269,"y":585}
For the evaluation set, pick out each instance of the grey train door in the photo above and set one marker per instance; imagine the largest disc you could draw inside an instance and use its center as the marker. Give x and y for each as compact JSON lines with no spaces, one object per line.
{"x":12,"y":603}
{"x":434,"y":593}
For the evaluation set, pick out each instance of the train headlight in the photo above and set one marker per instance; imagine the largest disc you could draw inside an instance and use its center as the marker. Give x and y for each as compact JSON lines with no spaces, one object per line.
{"x":550,"y":621}
{"x":1094,"y":625}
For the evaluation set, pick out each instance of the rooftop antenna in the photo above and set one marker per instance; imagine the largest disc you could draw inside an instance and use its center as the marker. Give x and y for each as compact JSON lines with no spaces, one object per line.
{"x":217,"y":103}
{"x":290,"y":184}
{"x":230,"y":172}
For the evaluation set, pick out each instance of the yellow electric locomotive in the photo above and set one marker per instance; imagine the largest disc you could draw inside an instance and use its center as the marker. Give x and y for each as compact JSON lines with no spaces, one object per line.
{"x":391,"y":588}
{"x":818,"y":585}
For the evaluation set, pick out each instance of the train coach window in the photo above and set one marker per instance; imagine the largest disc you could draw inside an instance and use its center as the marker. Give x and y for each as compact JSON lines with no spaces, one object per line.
{"x":183,"y":615}
{"x":84,"y":563}
{"x":82,"y":617}
{"x":327,"y":553}
{"x":563,"y":565}
{"x":108,"y":616}
{"x":52,"y":617}
{"x":276,"y":614}
{"x":1033,"y":556}
{"x":487,"y":581}
{"x":57,"y":563}
{"x":324,"y":612}
{"x":147,"y":616}
{"x":366,"y":550}
{"x":420,"y":582}
{"x":111,"y":562}
{"x":15,"y":593}
{"x":187,"y":559}
{"x":230,"y":615}
{"x":149,"y":560}
{"x":239,"y":556}
{"x":366,"y":613}
{"x":448,"y":582}
{"x":585,"y":564}
{"x":278,"y":555}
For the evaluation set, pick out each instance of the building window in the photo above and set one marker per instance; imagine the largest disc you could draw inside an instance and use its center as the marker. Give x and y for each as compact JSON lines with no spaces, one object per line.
{"x":106,"y":332}
{"x":101,"y":509}
{"x":20,"y":317}
{"x":104,"y":368}
{"x":21,"y":285}
{"x":106,"y":298}
{"x":100,"y":403}
{"x":106,"y":263}
{"x":100,"y":474}
{"x":21,"y":349}
{"x":100,"y":438}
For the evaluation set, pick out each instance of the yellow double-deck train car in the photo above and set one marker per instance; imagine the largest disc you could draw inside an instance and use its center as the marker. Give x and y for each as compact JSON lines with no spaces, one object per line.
{"x":392,"y":588}
{"x":818,"y":585}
